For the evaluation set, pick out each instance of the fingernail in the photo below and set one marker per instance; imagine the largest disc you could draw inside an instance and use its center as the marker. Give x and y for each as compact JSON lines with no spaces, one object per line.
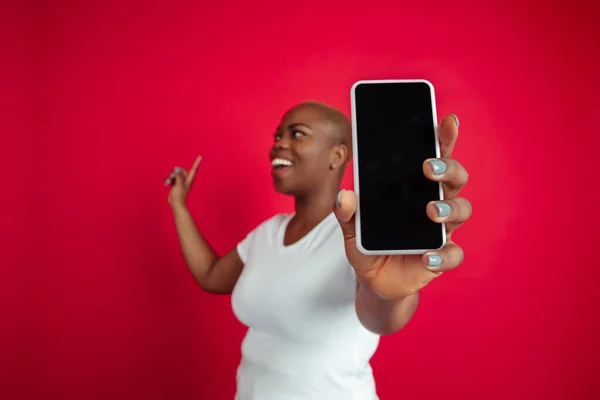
{"x":169,"y":179}
{"x":455,"y":120}
{"x":176,"y":170}
{"x":434,"y":260}
{"x":443,"y":208}
{"x":439,"y":167}
{"x":338,"y":200}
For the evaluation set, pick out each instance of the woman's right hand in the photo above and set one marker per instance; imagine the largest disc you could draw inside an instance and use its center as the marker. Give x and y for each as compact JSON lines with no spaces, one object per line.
{"x":181,"y":184}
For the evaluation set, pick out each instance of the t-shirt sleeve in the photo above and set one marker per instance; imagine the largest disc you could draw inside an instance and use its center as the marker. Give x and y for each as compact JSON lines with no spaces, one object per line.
{"x":243,"y":247}
{"x":259,"y":233}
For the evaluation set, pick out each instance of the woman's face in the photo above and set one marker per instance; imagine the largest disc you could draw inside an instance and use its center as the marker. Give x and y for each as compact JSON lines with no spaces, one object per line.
{"x":301,"y":154}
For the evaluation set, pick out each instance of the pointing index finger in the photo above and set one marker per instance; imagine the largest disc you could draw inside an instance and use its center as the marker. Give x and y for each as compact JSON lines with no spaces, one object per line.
{"x":194,"y":169}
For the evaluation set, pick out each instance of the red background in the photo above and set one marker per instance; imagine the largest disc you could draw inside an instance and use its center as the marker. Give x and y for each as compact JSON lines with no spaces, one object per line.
{"x":101,"y":100}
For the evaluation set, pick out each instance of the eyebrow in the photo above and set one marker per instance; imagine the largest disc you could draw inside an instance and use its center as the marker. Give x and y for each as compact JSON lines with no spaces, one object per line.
{"x":295,"y":125}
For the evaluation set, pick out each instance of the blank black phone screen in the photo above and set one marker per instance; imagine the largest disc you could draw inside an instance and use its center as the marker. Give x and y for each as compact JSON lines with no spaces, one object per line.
{"x":395,"y":134}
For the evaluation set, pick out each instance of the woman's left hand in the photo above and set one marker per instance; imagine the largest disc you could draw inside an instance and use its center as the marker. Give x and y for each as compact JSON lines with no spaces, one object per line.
{"x":398,"y":276}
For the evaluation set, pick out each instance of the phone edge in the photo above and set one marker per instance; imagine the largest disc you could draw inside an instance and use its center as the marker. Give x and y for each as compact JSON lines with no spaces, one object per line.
{"x":355,"y":168}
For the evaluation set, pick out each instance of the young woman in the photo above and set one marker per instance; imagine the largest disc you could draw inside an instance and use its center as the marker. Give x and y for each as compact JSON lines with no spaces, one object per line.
{"x":314,"y":305}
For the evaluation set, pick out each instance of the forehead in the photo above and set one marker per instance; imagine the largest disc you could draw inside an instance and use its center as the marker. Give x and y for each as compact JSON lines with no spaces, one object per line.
{"x":306,"y":114}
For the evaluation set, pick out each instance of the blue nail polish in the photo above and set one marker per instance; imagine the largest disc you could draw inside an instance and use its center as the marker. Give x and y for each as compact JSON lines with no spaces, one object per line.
{"x":434,"y":260}
{"x":439,"y":167}
{"x":443,"y":208}
{"x":455,"y":120}
{"x":338,"y":200}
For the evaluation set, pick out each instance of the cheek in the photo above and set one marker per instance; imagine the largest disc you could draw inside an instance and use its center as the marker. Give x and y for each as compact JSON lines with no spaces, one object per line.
{"x":315,"y":163}
{"x":313,"y":156}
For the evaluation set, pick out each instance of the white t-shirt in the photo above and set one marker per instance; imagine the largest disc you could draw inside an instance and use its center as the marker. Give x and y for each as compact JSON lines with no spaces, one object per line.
{"x":304,"y":339}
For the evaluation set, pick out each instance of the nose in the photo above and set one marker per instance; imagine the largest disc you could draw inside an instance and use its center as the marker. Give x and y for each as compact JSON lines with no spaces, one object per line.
{"x":282,"y":143}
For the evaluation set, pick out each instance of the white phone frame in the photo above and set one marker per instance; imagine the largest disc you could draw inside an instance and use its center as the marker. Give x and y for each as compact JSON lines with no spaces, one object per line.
{"x":355,"y":166}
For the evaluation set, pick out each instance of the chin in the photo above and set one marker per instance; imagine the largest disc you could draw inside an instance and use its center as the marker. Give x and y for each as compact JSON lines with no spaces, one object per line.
{"x":286,"y":186}
{"x":282,"y":188}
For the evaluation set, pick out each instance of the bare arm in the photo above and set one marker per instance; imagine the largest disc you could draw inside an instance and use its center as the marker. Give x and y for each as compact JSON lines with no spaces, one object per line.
{"x":213,"y":273}
{"x":383,"y":316}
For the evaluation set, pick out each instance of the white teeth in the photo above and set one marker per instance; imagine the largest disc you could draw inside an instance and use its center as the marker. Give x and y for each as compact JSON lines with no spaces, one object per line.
{"x":277,"y":162}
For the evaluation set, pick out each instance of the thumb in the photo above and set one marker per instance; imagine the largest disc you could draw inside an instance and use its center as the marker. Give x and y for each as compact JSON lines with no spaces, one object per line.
{"x":180,"y":176}
{"x":344,"y":210}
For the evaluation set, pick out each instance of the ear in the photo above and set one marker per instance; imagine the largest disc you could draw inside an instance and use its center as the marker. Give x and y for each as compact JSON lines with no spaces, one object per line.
{"x":339,"y":155}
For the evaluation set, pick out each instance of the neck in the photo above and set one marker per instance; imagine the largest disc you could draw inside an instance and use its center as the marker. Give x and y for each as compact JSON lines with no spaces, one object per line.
{"x":313,"y":207}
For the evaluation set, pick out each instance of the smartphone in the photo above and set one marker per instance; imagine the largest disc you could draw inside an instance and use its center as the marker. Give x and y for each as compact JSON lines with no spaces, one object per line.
{"x":394,"y":130}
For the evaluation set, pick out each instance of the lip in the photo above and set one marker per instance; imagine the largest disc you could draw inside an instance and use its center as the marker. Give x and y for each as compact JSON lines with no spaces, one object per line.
{"x":282,"y":157}
{"x":281,"y":171}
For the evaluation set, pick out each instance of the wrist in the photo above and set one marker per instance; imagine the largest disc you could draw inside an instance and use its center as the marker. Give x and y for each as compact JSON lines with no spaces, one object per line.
{"x":370,"y":291}
{"x":367,"y":290}
{"x":178,"y":206}
{"x":383,"y":315}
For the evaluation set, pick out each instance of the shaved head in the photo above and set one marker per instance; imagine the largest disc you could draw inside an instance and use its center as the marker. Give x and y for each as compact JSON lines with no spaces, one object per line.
{"x":315,"y":141}
{"x":340,"y":127}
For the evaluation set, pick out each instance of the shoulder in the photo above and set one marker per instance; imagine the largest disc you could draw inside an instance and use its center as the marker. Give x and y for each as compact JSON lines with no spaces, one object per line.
{"x":262,"y":233}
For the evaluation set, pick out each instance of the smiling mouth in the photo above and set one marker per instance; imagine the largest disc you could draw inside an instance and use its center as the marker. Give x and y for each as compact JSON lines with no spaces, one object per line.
{"x":280,"y":163}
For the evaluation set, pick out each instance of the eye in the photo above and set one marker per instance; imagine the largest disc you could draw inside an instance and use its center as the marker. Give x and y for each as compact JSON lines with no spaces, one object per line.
{"x":298,"y":134}
{"x":277,"y":136}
